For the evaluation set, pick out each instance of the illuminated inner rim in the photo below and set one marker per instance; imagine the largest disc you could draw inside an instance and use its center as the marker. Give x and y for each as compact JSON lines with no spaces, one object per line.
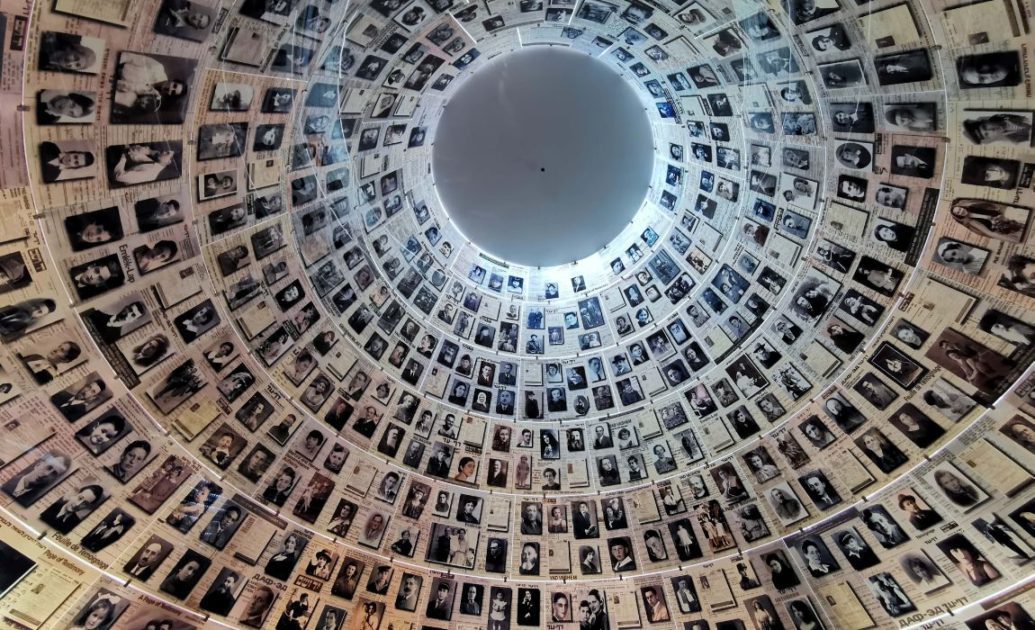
{"x":543,"y":156}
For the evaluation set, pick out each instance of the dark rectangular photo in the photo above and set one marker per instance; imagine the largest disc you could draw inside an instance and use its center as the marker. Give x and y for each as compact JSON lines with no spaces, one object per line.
{"x":151,"y":89}
{"x":222,"y":140}
{"x":66,"y":107}
{"x":911,"y":66}
{"x":185,"y":19}
{"x":145,"y":163}
{"x":990,"y":70}
{"x":67,"y":160}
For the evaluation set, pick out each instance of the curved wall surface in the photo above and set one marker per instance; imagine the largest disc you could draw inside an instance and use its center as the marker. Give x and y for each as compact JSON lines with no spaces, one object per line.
{"x":252,"y":374}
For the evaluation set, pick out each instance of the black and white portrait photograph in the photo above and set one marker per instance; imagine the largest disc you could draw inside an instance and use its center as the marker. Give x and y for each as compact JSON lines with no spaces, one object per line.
{"x":97,"y":277}
{"x":989,"y":70}
{"x":897,"y":365}
{"x":911,"y":66}
{"x":132,"y":458}
{"x":110,"y":530}
{"x":816,"y":556}
{"x":913,"y":161}
{"x":277,"y":100}
{"x":196,"y":321}
{"x":151,"y":258}
{"x":223,"y":140}
{"x":81,"y":397}
{"x":222,"y":594}
{"x":875,"y":391}
{"x":190,"y":20}
{"x":842,"y":74}
{"x":952,"y":484}
{"x":151,"y":89}
{"x":157,"y":212}
{"x":852,"y":117}
{"x":231,"y":97}
{"x":724,"y":43}
{"x":830,"y":39}
{"x":969,"y":560}
{"x":268,"y":137}
{"x":820,"y":489}
{"x":991,"y":219}
{"x":101,"y":611}
{"x":1019,"y":275}
{"x":890,"y":595}
{"x":911,"y":117}
{"x":218,"y":184}
{"x":997,"y":127}
{"x":185,"y":574}
{"x":923,"y":572}
{"x":877,"y":276}
{"x":38,"y":478}
{"x":66,"y":107}
{"x":803,"y":11}
{"x":68,"y":160}
{"x":133,"y":164}
{"x":916,"y":426}
{"x":990,"y":172}
{"x":884,"y":454}
{"x":66,"y":52}
{"x":854,"y":155}
{"x":1008,"y":615}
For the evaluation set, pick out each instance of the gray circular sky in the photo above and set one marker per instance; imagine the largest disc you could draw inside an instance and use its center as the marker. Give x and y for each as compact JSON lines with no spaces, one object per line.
{"x":543,"y":156}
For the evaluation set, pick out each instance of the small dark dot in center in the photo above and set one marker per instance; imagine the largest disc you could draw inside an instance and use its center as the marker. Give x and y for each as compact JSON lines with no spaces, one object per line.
{"x":542,"y":170}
